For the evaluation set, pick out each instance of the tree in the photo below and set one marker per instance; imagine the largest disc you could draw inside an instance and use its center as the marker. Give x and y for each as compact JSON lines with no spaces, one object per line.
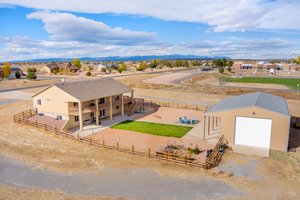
{"x":178,"y":63}
{"x":298,"y":60}
{"x":221,"y":69}
{"x":88,"y":73}
{"x":153,"y":64}
{"x":31,"y":75}
{"x":142,"y":66}
{"x":17,"y":74}
{"x":54,"y":71}
{"x":121,"y":67}
{"x":76,"y":63}
{"x":230,"y":63}
{"x":103,"y":69}
{"x":6,"y":70}
{"x":166,"y":63}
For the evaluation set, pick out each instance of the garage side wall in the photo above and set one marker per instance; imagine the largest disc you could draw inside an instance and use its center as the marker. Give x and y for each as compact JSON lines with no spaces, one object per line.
{"x":280,"y":125}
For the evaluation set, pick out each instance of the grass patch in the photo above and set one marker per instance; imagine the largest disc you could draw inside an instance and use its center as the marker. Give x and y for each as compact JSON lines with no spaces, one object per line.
{"x":289,"y":82}
{"x":153,"y":128}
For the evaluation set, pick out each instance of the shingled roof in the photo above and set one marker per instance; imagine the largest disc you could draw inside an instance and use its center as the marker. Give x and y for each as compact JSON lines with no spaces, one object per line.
{"x":92,"y":89}
{"x":259,"y":99}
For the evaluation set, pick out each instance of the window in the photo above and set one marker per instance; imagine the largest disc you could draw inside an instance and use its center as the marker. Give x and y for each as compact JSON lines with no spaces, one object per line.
{"x":117,"y":98}
{"x":92,"y":114}
{"x":117,"y":107}
{"x":102,"y":100}
{"x":76,"y":118}
{"x":58,"y":117}
{"x":102,"y":113}
{"x":75,"y":104}
{"x":39,"y":102}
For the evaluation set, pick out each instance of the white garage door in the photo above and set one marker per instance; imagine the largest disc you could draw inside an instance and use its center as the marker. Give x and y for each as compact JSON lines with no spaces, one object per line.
{"x":253,"y":131}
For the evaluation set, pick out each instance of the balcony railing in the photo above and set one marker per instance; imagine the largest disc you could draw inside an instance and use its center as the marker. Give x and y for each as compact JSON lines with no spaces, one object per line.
{"x":92,"y":108}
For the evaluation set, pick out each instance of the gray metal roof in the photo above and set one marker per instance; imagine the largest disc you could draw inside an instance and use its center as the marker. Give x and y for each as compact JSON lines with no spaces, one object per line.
{"x":93,"y":89}
{"x":259,"y":99}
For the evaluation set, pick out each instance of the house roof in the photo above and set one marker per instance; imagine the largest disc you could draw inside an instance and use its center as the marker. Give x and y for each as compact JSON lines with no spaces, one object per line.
{"x":92,"y":89}
{"x":259,"y":99}
{"x":52,"y":66}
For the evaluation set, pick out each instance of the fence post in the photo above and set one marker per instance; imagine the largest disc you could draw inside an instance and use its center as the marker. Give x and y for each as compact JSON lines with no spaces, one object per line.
{"x":118,"y":146}
{"x":149,"y":150}
{"x":23,"y":113}
{"x":185,"y":160}
{"x":45,"y":126}
{"x":132,"y":149}
{"x":27,"y":121}
{"x":35,"y":123}
{"x":19,"y":119}
{"x":90,"y":140}
{"x":30,"y":113}
{"x":55,"y":130}
{"x":167,"y":155}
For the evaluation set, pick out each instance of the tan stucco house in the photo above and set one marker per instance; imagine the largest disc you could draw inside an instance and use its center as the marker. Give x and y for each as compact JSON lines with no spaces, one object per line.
{"x":81,"y":102}
{"x":256,"y":121}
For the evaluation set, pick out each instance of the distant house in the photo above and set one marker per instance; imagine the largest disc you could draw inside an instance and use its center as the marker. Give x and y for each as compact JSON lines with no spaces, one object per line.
{"x":49,"y":68}
{"x":251,"y":123}
{"x":81,"y":102}
{"x":14,"y":70}
{"x":73,"y":69}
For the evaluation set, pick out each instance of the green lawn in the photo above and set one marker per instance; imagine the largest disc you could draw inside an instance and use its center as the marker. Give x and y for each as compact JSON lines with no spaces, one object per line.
{"x":153,"y":128}
{"x":289,"y":82}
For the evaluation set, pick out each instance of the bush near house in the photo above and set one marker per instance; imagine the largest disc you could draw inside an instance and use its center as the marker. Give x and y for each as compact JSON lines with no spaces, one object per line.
{"x":17,"y":74}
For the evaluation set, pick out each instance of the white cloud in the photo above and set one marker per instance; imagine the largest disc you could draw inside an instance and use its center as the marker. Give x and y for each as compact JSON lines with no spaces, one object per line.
{"x":66,"y":26}
{"x":220,"y":15}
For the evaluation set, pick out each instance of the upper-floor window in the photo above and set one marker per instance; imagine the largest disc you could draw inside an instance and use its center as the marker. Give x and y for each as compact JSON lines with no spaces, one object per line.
{"x":39,"y":102}
{"x":117,"y":98}
{"x":76,"y":118}
{"x":102,"y":100}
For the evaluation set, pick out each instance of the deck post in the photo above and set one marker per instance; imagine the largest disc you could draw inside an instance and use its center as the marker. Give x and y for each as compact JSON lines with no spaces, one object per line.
{"x":132,"y":149}
{"x":110,"y":107}
{"x":97,"y":111}
{"x":30,"y":112}
{"x":122,"y":105}
{"x":149,"y":150}
{"x":80,"y":116}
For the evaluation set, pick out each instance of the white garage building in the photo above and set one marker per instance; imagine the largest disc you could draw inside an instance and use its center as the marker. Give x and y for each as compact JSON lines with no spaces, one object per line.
{"x":251,"y":123}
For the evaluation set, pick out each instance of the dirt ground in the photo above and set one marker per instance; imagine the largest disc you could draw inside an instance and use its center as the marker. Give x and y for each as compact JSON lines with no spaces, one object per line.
{"x":10,"y":193}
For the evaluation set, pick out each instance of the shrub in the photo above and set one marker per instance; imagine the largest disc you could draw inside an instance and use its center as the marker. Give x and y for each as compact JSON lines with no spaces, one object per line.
{"x":88,"y":73}
{"x":17,"y":74}
{"x":229,"y":69}
{"x":103,"y":69}
{"x":195,"y":150}
{"x":54,"y":71}
{"x":31,"y":75}
{"x":221,"y":69}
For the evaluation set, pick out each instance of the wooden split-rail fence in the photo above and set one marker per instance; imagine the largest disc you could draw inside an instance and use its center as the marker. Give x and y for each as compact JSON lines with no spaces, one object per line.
{"x":211,"y":161}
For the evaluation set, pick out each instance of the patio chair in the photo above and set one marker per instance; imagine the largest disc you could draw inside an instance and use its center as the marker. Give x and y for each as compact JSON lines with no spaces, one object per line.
{"x":186,"y":120}
{"x":181,"y":120}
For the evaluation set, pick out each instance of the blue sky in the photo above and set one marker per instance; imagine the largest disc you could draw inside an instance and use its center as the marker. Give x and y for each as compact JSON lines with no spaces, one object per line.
{"x":255,"y":29}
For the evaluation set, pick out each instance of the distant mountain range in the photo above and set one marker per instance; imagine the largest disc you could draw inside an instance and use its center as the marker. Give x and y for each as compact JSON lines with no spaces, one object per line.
{"x":128,"y":58}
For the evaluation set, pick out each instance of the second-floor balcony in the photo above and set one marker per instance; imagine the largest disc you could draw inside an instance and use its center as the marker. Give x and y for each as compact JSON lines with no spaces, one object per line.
{"x":92,"y":107}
